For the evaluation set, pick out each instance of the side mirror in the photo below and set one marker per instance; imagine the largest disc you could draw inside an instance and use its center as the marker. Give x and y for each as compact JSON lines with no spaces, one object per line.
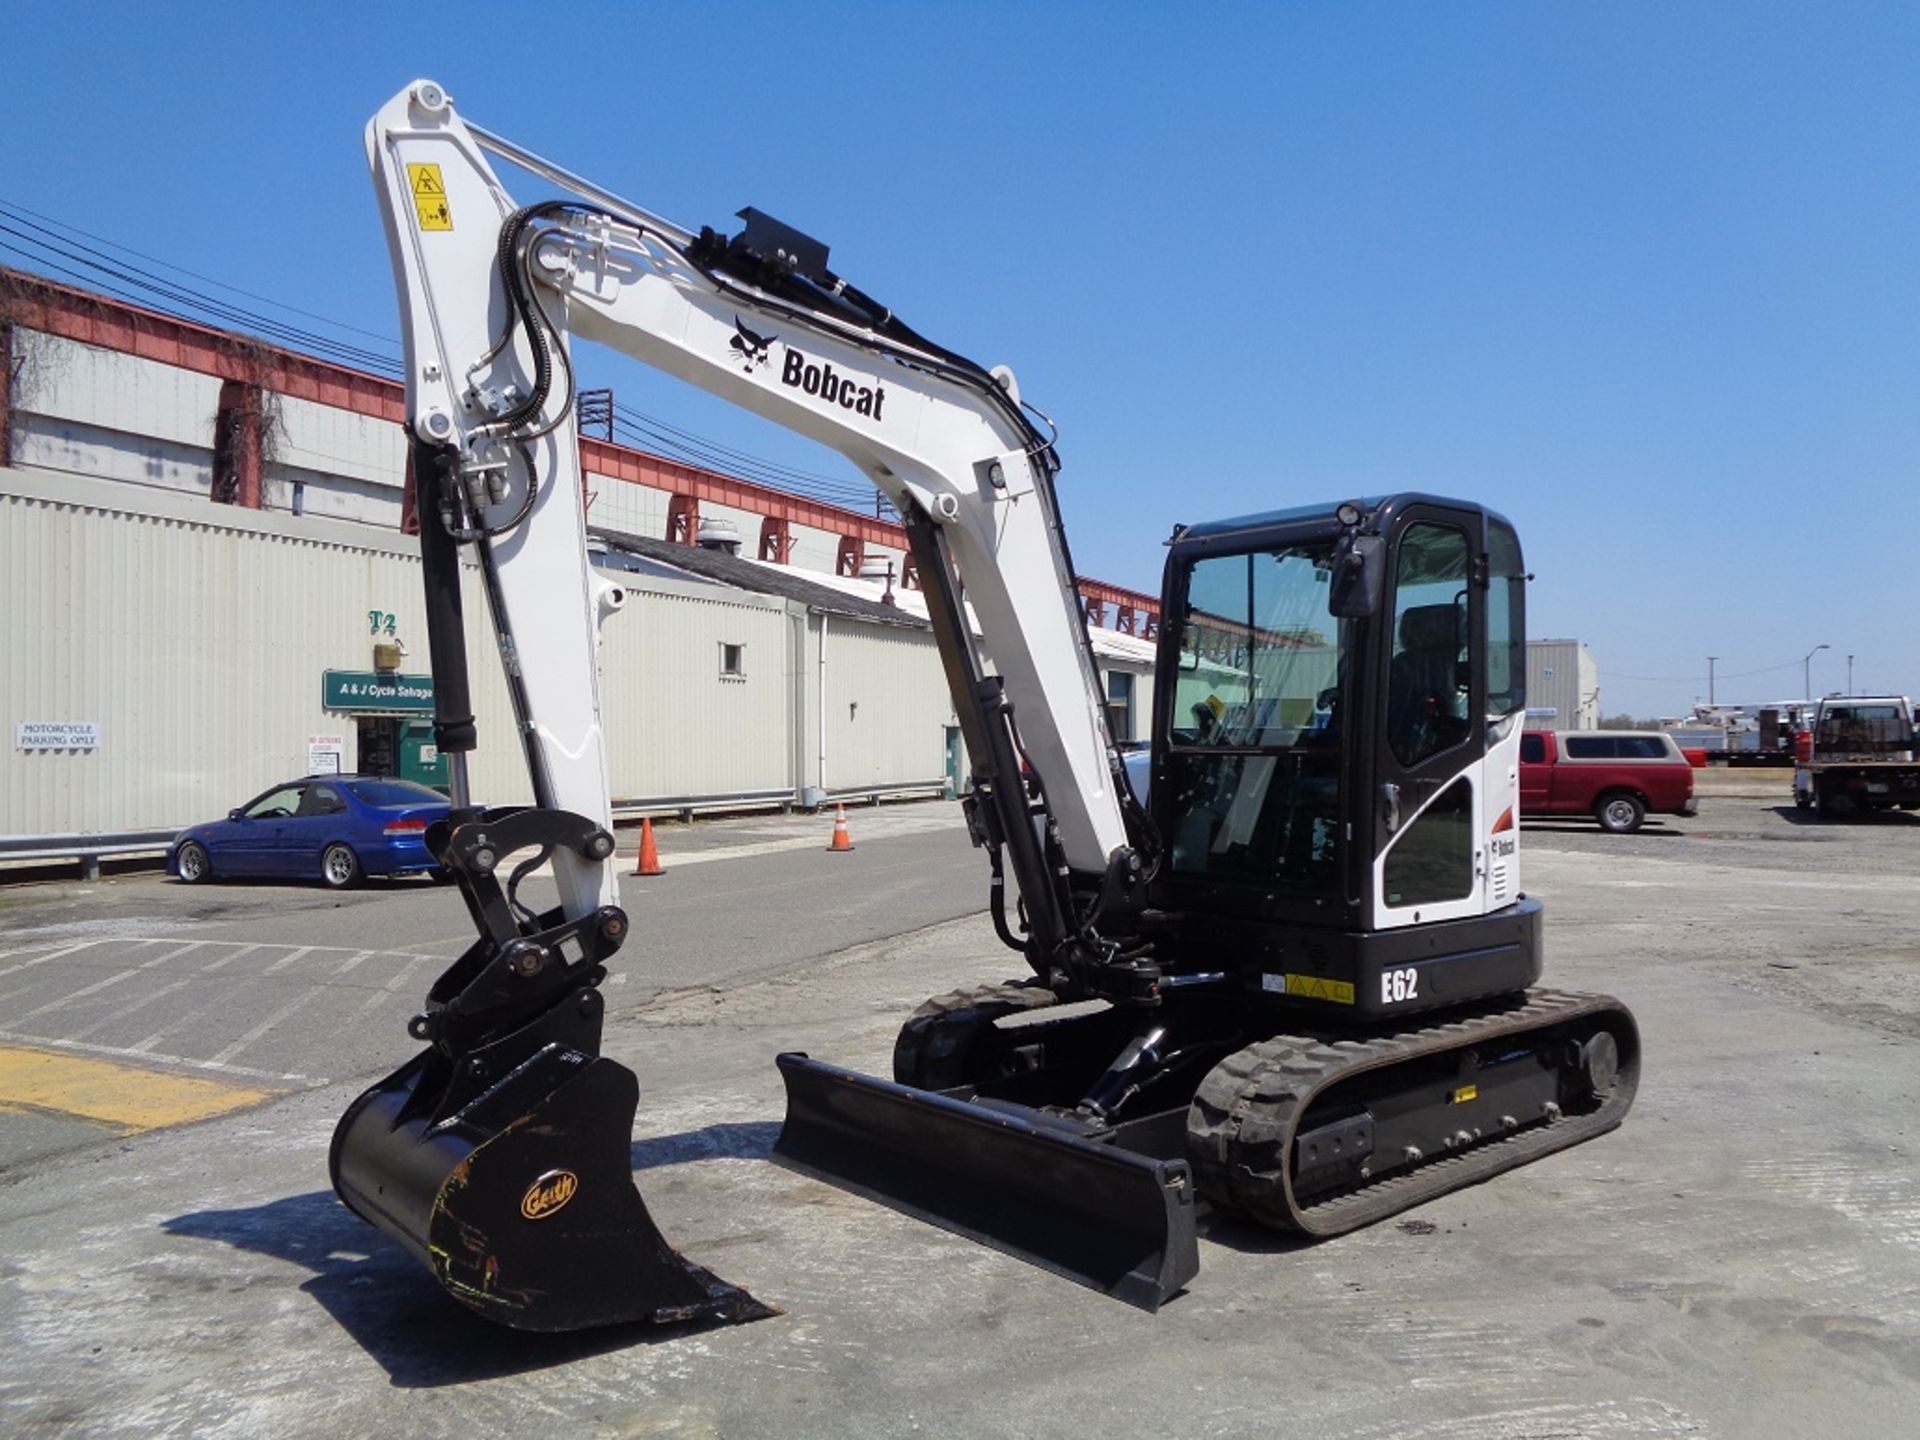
{"x":1359,"y":577}
{"x":235,"y":815}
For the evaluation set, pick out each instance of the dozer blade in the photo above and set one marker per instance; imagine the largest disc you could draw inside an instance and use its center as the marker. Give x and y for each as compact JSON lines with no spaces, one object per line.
{"x":521,"y":1200}
{"x":1120,"y":1222}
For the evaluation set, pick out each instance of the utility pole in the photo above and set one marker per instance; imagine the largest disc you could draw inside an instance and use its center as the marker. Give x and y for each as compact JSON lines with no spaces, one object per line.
{"x":1710,"y":660}
{"x":1806,"y":669}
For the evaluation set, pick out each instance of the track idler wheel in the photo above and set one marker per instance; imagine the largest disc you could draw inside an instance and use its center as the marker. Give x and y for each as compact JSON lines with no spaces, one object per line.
{"x":939,"y":1046}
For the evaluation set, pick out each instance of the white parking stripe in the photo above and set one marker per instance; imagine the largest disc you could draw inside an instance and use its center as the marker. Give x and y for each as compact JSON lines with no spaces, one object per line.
{"x":355,"y":961}
{"x":43,"y":959}
{"x":162,"y":959}
{"x":121,"y":1051}
{"x":226,"y":960}
{"x":290,"y":957}
{"x":130,"y":1007}
{"x":413,"y":963}
{"x":79,"y":994}
{"x":374,"y":1002}
{"x":221,"y":1057}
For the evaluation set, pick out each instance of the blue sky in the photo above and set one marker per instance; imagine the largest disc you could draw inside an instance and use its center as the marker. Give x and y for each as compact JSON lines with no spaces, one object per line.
{"x":1646,"y":277}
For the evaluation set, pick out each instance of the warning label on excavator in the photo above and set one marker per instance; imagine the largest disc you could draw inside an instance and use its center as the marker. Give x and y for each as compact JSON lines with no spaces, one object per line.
{"x":1310,"y":987}
{"x":1466,"y":1093}
{"x":429,"y":197}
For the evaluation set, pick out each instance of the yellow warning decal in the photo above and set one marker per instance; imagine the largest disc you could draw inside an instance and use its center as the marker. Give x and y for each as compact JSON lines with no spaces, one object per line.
{"x":1465,"y":1093}
{"x":1318,"y":987}
{"x":430,"y":197}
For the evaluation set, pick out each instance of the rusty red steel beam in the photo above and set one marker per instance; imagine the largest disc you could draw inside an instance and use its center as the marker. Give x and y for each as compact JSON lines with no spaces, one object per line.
{"x":39,"y":304}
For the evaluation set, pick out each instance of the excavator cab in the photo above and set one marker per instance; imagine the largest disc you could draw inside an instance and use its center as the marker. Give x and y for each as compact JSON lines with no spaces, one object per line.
{"x":1338,"y":957}
{"x":1340,"y":695}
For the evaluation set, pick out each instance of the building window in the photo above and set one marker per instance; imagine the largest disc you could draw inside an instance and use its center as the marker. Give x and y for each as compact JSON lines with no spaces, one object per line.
{"x":1120,"y":704}
{"x":732,"y":662}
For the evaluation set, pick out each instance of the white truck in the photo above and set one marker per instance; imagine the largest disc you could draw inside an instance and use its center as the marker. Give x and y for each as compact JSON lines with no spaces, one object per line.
{"x":1858,"y":755}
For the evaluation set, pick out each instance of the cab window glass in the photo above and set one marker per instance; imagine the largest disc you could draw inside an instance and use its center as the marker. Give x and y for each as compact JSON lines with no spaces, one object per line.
{"x":1259,"y":651}
{"x":1433,"y":858}
{"x":1428,"y":676}
{"x":1506,"y":622}
{"x":1533,"y":750}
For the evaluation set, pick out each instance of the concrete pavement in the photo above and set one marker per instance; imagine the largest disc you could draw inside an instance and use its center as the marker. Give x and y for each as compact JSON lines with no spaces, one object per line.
{"x":1741,"y":1259}
{"x":232,"y":992}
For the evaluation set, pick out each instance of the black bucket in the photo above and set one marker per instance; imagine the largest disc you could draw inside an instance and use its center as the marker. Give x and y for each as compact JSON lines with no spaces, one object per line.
{"x":520,"y":1197}
{"x":1006,"y":1176}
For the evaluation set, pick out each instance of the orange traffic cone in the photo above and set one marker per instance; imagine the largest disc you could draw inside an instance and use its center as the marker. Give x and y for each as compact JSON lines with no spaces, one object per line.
{"x":841,"y":839}
{"x":649,"y":857}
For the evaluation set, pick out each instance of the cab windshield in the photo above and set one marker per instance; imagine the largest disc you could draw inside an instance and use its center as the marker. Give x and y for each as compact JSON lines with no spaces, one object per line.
{"x":1259,"y":651}
{"x":1254,"y":758}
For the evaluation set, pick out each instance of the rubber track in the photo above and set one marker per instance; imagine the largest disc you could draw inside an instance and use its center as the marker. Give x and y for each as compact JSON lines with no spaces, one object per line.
{"x":1240,"y":1127}
{"x":930,"y":1051}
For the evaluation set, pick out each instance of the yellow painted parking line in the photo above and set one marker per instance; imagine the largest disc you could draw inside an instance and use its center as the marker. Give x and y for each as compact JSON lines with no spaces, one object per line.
{"x":125,"y":1096}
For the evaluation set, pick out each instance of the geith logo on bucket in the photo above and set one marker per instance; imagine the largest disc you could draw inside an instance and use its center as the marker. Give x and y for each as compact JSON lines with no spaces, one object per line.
{"x":549,"y":1194}
{"x":820,"y":379}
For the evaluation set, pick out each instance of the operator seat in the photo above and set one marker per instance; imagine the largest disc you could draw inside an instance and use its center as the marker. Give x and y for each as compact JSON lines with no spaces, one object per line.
{"x":1424,"y":683}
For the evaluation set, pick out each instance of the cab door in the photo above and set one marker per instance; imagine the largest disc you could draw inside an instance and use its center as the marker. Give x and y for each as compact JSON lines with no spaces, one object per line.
{"x":1431,"y":740}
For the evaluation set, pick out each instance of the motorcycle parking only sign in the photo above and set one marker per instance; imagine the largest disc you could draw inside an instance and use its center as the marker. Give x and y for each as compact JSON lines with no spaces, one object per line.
{"x":56,"y":735}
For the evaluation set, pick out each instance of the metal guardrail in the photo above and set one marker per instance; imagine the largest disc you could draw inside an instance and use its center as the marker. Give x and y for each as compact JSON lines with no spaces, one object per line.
{"x":874,"y":794}
{"x":686,"y":806}
{"x":90,"y":849}
{"x":87,"y":849}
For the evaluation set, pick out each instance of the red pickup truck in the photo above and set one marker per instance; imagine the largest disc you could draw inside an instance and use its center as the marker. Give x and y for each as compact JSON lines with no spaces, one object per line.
{"x":1616,"y":776}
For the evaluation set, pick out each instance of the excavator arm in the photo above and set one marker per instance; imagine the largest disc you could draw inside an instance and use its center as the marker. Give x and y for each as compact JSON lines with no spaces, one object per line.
{"x":442,"y":1154}
{"x":492,"y":295}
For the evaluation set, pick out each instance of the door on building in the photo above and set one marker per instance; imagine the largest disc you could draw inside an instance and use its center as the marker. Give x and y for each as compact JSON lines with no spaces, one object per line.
{"x":419,"y":758}
{"x":379,"y":745}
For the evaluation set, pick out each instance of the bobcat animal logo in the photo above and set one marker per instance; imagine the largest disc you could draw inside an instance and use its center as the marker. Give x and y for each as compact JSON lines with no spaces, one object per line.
{"x":751,"y":348}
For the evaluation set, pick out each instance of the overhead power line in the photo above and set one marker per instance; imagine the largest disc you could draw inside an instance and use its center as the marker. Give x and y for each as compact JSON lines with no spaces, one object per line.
{"x":54,"y":247}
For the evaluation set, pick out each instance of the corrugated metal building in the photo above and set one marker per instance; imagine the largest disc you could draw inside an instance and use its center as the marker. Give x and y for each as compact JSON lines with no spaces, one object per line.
{"x":187,"y":640}
{"x":1563,"y":686}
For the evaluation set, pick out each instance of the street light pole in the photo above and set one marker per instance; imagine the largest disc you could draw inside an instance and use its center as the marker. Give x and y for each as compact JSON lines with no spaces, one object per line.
{"x":1849,"y":674}
{"x":1806,"y":669}
{"x":1710,"y":660}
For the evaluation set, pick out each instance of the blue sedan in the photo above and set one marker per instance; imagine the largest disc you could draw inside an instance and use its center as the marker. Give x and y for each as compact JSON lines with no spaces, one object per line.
{"x":337,"y":828}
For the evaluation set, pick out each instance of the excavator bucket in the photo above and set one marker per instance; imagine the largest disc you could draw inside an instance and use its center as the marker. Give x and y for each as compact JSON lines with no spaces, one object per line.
{"x":519,"y":1195}
{"x":1107,"y":1217}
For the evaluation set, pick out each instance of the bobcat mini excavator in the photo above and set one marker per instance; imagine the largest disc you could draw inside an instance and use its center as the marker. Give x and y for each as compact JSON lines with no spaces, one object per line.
{"x":1297,"y":982}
